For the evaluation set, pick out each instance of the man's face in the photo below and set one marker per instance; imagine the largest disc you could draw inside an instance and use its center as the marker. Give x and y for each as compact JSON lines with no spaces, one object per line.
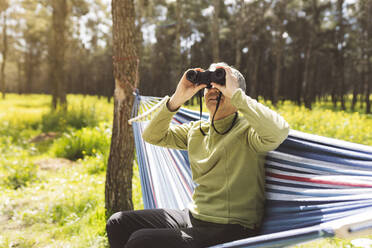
{"x":224,"y":109}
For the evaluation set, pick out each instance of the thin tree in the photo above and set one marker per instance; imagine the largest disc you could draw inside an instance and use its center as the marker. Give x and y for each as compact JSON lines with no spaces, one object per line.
{"x":118,"y":191}
{"x":216,"y":31}
{"x":340,"y":61}
{"x":279,"y":20}
{"x":57,"y":52}
{"x":239,"y":17}
{"x":179,"y":26}
{"x":369,"y":56}
{"x":3,"y":6}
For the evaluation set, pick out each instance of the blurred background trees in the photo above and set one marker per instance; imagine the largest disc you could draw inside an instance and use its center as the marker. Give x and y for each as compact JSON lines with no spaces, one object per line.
{"x":295,"y":50}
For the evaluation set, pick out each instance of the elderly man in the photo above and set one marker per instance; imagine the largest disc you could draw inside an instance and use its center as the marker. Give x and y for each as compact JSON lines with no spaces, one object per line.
{"x":226,"y":160}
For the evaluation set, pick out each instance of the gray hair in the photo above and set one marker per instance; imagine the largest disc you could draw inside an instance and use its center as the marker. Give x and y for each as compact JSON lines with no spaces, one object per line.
{"x":241,"y":79}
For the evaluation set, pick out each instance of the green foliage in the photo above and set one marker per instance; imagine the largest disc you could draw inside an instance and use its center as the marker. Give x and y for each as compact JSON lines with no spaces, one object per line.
{"x":17,"y":129}
{"x":75,"y":117}
{"x":70,"y":205}
{"x":96,"y":164}
{"x":84,"y":142}
{"x":354,"y":127}
{"x":68,"y":202}
{"x":16,"y":169}
{"x":18,"y":173}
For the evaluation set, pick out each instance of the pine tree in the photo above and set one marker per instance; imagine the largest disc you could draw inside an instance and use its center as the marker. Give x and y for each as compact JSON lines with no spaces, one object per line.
{"x":118,"y":194}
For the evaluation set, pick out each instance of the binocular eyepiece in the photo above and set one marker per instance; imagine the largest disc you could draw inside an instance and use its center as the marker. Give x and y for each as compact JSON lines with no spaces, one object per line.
{"x":207,"y":77}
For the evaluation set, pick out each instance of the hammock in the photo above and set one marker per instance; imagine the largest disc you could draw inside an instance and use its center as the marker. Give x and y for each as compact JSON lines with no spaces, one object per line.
{"x":316,"y":187}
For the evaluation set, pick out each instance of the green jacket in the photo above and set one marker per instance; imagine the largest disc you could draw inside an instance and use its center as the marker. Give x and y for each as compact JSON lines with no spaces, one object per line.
{"x":228,"y":169}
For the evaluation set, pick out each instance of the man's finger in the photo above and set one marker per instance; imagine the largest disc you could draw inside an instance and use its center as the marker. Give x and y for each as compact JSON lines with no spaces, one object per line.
{"x":201,"y":86}
{"x":228,"y":70}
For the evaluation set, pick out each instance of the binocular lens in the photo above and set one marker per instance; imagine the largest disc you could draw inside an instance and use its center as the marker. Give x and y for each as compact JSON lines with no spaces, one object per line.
{"x":220,"y":73}
{"x":206,"y":77}
{"x":191,"y":75}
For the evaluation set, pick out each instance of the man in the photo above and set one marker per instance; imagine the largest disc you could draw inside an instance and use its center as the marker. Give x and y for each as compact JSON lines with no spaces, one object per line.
{"x":228,"y":202}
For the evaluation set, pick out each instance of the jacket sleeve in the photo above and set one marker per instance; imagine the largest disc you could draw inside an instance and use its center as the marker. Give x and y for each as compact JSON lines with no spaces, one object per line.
{"x":161,"y":132}
{"x":267,"y":128}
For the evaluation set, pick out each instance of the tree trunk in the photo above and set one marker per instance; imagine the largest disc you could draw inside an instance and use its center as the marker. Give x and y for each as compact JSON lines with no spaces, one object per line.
{"x":369,"y":56}
{"x":364,"y":82}
{"x":299,"y":78}
{"x":356,"y":84}
{"x":334,"y":84}
{"x":306,"y":84}
{"x":216,"y":31}
{"x":29,"y":68}
{"x":118,"y":192}
{"x":20,"y":87}
{"x":340,"y":54}
{"x":256,"y":67}
{"x":178,"y":54}
{"x":58,"y":53}
{"x":4,"y":54}
{"x":368,"y":88}
{"x":278,"y":66}
{"x":238,"y":30}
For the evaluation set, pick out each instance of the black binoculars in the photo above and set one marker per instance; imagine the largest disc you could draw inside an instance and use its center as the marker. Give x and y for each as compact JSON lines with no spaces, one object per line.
{"x":207,"y":77}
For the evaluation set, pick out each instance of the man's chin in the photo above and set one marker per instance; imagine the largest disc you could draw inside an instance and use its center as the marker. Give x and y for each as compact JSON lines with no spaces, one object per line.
{"x":211,"y":106}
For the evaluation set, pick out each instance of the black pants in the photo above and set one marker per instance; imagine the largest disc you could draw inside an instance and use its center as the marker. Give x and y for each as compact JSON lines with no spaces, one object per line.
{"x":169,"y":228}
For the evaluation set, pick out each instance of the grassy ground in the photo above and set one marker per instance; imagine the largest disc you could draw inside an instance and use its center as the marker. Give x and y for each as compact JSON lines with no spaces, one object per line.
{"x":52,"y":167}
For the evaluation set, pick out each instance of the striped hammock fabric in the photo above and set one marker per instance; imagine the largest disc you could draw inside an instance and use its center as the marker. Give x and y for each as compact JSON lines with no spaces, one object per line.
{"x":315,"y":186}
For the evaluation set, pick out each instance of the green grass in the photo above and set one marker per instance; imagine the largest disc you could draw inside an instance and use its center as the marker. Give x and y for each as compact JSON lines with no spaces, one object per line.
{"x":84,"y":142}
{"x":60,"y":203}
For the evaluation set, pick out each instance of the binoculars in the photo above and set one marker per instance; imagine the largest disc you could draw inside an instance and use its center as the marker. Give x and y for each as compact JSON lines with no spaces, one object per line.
{"x":207,"y":77}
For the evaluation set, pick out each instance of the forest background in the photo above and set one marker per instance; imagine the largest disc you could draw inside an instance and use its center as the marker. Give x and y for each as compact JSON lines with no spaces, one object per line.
{"x":309,"y":60}
{"x":302,"y":51}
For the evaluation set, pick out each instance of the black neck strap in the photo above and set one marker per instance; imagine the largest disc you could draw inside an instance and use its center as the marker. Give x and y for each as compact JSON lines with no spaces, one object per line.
{"x":201,"y":109}
{"x":218,"y":104}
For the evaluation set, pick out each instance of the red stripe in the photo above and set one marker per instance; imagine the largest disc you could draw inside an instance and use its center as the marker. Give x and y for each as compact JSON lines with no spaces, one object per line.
{"x":177,"y":120}
{"x":311,"y":180}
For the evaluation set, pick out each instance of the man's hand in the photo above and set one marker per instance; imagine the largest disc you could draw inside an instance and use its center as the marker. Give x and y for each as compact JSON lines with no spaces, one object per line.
{"x":231,"y":85}
{"x":185,"y":90}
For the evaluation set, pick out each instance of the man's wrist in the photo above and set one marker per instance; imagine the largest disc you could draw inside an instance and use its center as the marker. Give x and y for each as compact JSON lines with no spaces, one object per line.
{"x":172,"y":105}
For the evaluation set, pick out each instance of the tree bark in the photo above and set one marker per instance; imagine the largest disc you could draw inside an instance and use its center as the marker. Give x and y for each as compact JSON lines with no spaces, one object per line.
{"x":355,"y":87}
{"x":58,"y":53}
{"x":299,"y":78}
{"x":340,"y":54}
{"x":118,"y":191}
{"x":216,"y":31}
{"x":178,"y":54}
{"x":279,"y":47}
{"x":4,"y":54}
{"x":20,"y":87}
{"x":369,"y":56}
{"x":256,"y":67}
{"x":239,"y":20}
{"x":368,"y":89}
{"x":306,"y":84}
{"x":31,"y":63}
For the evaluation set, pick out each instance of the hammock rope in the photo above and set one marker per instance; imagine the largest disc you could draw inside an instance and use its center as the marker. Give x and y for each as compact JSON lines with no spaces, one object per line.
{"x":316,"y":187}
